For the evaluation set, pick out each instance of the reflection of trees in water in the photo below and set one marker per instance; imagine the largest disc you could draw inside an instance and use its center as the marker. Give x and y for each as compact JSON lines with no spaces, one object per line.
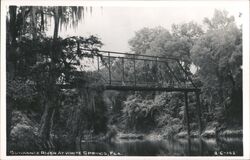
{"x":231,"y":144}
{"x":139,"y":148}
{"x":97,"y":147}
{"x":205,"y":147}
{"x":181,"y":147}
{"x":189,"y":146}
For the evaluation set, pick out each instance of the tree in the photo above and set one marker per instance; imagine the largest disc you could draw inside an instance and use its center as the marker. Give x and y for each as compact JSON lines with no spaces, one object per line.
{"x":61,"y":15}
{"x":141,"y":42}
{"x":29,"y":51}
{"x":150,"y":42}
{"x":219,"y":20}
{"x":175,"y":44}
{"x":218,"y":55}
{"x":179,"y":43}
{"x":160,"y":42}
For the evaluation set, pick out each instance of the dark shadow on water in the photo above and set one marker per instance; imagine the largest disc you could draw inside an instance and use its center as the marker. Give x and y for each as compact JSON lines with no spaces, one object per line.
{"x":171,"y":147}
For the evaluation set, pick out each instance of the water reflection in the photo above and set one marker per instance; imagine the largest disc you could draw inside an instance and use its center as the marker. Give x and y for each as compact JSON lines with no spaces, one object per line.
{"x":172,"y":147}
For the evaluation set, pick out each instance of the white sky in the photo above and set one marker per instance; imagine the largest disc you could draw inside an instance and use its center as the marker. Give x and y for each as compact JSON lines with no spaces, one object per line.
{"x":115,"y":22}
{"x":116,"y":25}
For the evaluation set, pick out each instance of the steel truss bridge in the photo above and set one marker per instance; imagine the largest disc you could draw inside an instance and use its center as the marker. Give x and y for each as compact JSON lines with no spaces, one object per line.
{"x":132,"y":72}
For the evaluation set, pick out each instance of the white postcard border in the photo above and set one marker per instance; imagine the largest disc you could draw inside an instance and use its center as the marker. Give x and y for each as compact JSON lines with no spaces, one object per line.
{"x":246,"y":58}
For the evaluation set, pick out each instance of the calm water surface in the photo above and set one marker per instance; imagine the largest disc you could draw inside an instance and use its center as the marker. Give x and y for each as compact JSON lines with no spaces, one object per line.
{"x":181,"y":147}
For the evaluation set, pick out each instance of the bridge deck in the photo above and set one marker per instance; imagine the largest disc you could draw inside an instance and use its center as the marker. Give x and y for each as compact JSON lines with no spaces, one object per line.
{"x":142,"y":88}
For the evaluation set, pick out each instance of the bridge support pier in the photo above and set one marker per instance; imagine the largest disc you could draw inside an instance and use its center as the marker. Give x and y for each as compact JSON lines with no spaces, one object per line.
{"x":198,"y":108}
{"x":186,"y":113}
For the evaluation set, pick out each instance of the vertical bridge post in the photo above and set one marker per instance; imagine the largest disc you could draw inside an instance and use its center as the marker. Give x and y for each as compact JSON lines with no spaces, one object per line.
{"x":134,"y":71}
{"x":198,"y":108}
{"x":146,"y":70}
{"x":186,"y":113}
{"x":98,"y":65}
{"x":156,"y":72}
{"x":122,"y":71}
{"x":109,"y":68}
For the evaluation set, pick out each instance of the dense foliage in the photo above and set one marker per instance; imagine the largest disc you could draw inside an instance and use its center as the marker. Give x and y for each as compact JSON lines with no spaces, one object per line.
{"x":39,"y":66}
{"x":218,"y":56}
{"x":214,"y":51}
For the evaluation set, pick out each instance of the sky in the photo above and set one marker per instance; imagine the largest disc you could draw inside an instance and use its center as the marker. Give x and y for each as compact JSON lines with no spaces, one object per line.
{"x":115,"y":25}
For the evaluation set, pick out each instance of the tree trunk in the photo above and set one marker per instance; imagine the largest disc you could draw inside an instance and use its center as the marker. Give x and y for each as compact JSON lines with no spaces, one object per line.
{"x":46,"y":124}
{"x":220,"y":88}
{"x":9,"y":117}
{"x":56,"y":19}
{"x":33,"y":22}
{"x":11,"y":65}
{"x":47,"y":118}
{"x":12,"y":27}
{"x":50,"y":103}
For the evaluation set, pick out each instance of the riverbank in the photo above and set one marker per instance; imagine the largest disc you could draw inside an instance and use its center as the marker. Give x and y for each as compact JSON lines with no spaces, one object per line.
{"x":206,"y":134}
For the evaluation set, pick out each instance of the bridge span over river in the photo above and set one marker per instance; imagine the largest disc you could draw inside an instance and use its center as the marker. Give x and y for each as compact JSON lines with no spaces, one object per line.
{"x":131,"y":72}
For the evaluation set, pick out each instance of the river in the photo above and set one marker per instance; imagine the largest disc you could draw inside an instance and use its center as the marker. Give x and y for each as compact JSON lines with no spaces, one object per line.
{"x":180,"y":147}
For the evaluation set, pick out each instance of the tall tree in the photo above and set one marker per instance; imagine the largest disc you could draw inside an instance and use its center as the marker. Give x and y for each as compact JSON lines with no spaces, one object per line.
{"x":26,"y":25}
{"x":140,"y":43}
{"x":218,"y":55}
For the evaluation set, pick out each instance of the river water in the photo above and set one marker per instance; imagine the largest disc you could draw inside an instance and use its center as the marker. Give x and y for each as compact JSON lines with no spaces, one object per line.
{"x":180,"y":147}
